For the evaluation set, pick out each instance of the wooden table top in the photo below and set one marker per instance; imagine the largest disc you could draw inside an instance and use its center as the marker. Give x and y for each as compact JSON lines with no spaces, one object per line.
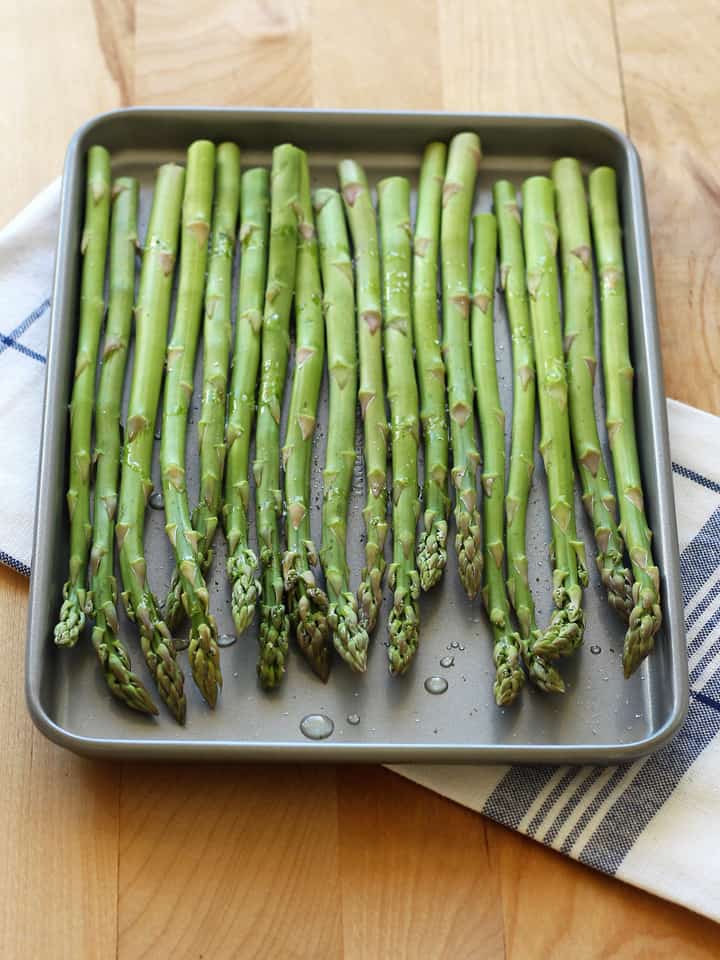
{"x":101,"y":860}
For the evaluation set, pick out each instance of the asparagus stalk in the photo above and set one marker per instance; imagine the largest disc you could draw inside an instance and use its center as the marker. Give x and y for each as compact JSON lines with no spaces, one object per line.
{"x":432,"y":542}
{"x":350,"y":637}
{"x":579,"y":310}
{"x":363,"y":229}
{"x":308,"y":602}
{"x":203,"y":650}
{"x":646,"y":614}
{"x":565,"y":632}
{"x":458,"y":191}
{"x":217,"y":334}
{"x":93,"y":248}
{"x":151,"y":323}
{"x":111,"y":651}
{"x":509,"y":676}
{"x":395,"y":233}
{"x":512,"y":280}
{"x":274,"y":622}
{"x":242,"y":562}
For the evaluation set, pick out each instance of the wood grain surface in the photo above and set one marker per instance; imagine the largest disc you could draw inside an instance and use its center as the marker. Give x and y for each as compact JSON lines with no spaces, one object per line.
{"x":132,"y":861}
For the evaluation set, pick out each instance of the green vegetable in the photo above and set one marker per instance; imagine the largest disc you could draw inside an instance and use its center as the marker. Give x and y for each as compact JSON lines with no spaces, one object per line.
{"x":512,"y":280}
{"x":509,"y":676}
{"x":242,"y":562}
{"x":93,"y":248}
{"x":274,"y":620}
{"x":350,"y":637}
{"x":565,"y":632}
{"x":458,"y":191}
{"x":395,"y":232}
{"x":111,"y":651}
{"x":579,"y":315}
{"x":151,"y":324}
{"x":204,"y":653}
{"x":308,"y":603}
{"x":646,"y":614}
{"x":432,"y":542}
{"x":363,"y":229}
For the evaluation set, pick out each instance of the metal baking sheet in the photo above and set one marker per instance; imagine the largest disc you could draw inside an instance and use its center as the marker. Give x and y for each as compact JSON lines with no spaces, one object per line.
{"x":601,"y":719}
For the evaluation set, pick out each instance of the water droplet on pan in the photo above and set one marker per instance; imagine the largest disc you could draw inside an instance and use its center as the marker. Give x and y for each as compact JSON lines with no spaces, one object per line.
{"x":436,"y":685}
{"x":447,"y":662}
{"x":353,"y":719}
{"x":595,"y":649}
{"x":316,"y":726}
{"x":156,"y":501}
{"x":226,"y":639}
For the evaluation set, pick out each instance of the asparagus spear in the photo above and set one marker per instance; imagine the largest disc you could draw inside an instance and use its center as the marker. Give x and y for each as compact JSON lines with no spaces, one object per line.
{"x":274,"y":622}
{"x":432,"y":542}
{"x":363,"y":229}
{"x":217,"y":334}
{"x":93,"y":248}
{"x":458,"y":190}
{"x":579,"y":310}
{"x":203,"y":650}
{"x":111,"y":651}
{"x":565,"y":632}
{"x":350,"y":637}
{"x":242,"y":562}
{"x":509,"y":676}
{"x":512,"y":280}
{"x":646,"y":614}
{"x":395,"y":233}
{"x":151,"y":323}
{"x":307,"y":600}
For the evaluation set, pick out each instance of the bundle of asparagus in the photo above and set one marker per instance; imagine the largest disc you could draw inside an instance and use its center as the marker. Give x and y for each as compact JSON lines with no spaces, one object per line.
{"x":379,"y":317}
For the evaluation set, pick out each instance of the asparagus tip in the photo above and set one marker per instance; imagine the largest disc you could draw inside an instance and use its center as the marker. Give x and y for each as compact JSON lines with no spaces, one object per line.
{"x":350,"y":637}
{"x":246,"y":588}
{"x":72,"y":617}
{"x":645,"y":621}
{"x":273,"y":642}
{"x":432,"y":554}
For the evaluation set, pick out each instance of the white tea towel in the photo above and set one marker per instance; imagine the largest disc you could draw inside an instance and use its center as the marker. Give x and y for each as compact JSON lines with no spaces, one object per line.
{"x":27,"y":253}
{"x":653,"y":823}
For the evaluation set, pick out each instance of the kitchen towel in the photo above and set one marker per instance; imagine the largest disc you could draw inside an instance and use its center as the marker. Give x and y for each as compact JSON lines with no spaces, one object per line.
{"x":653,"y":823}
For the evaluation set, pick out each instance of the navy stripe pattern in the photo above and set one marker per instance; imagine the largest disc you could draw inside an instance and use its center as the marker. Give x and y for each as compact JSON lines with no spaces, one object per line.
{"x":12,"y":339}
{"x":14,"y":564}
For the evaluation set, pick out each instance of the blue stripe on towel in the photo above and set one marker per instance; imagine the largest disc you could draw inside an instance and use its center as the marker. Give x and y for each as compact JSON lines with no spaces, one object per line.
{"x":696,"y":477}
{"x":556,"y":792}
{"x":571,"y":803}
{"x":21,"y":348}
{"x":514,"y":795}
{"x":9,"y":339}
{"x":700,"y":557}
{"x":628,"y":817}
{"x":17,"y":565}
